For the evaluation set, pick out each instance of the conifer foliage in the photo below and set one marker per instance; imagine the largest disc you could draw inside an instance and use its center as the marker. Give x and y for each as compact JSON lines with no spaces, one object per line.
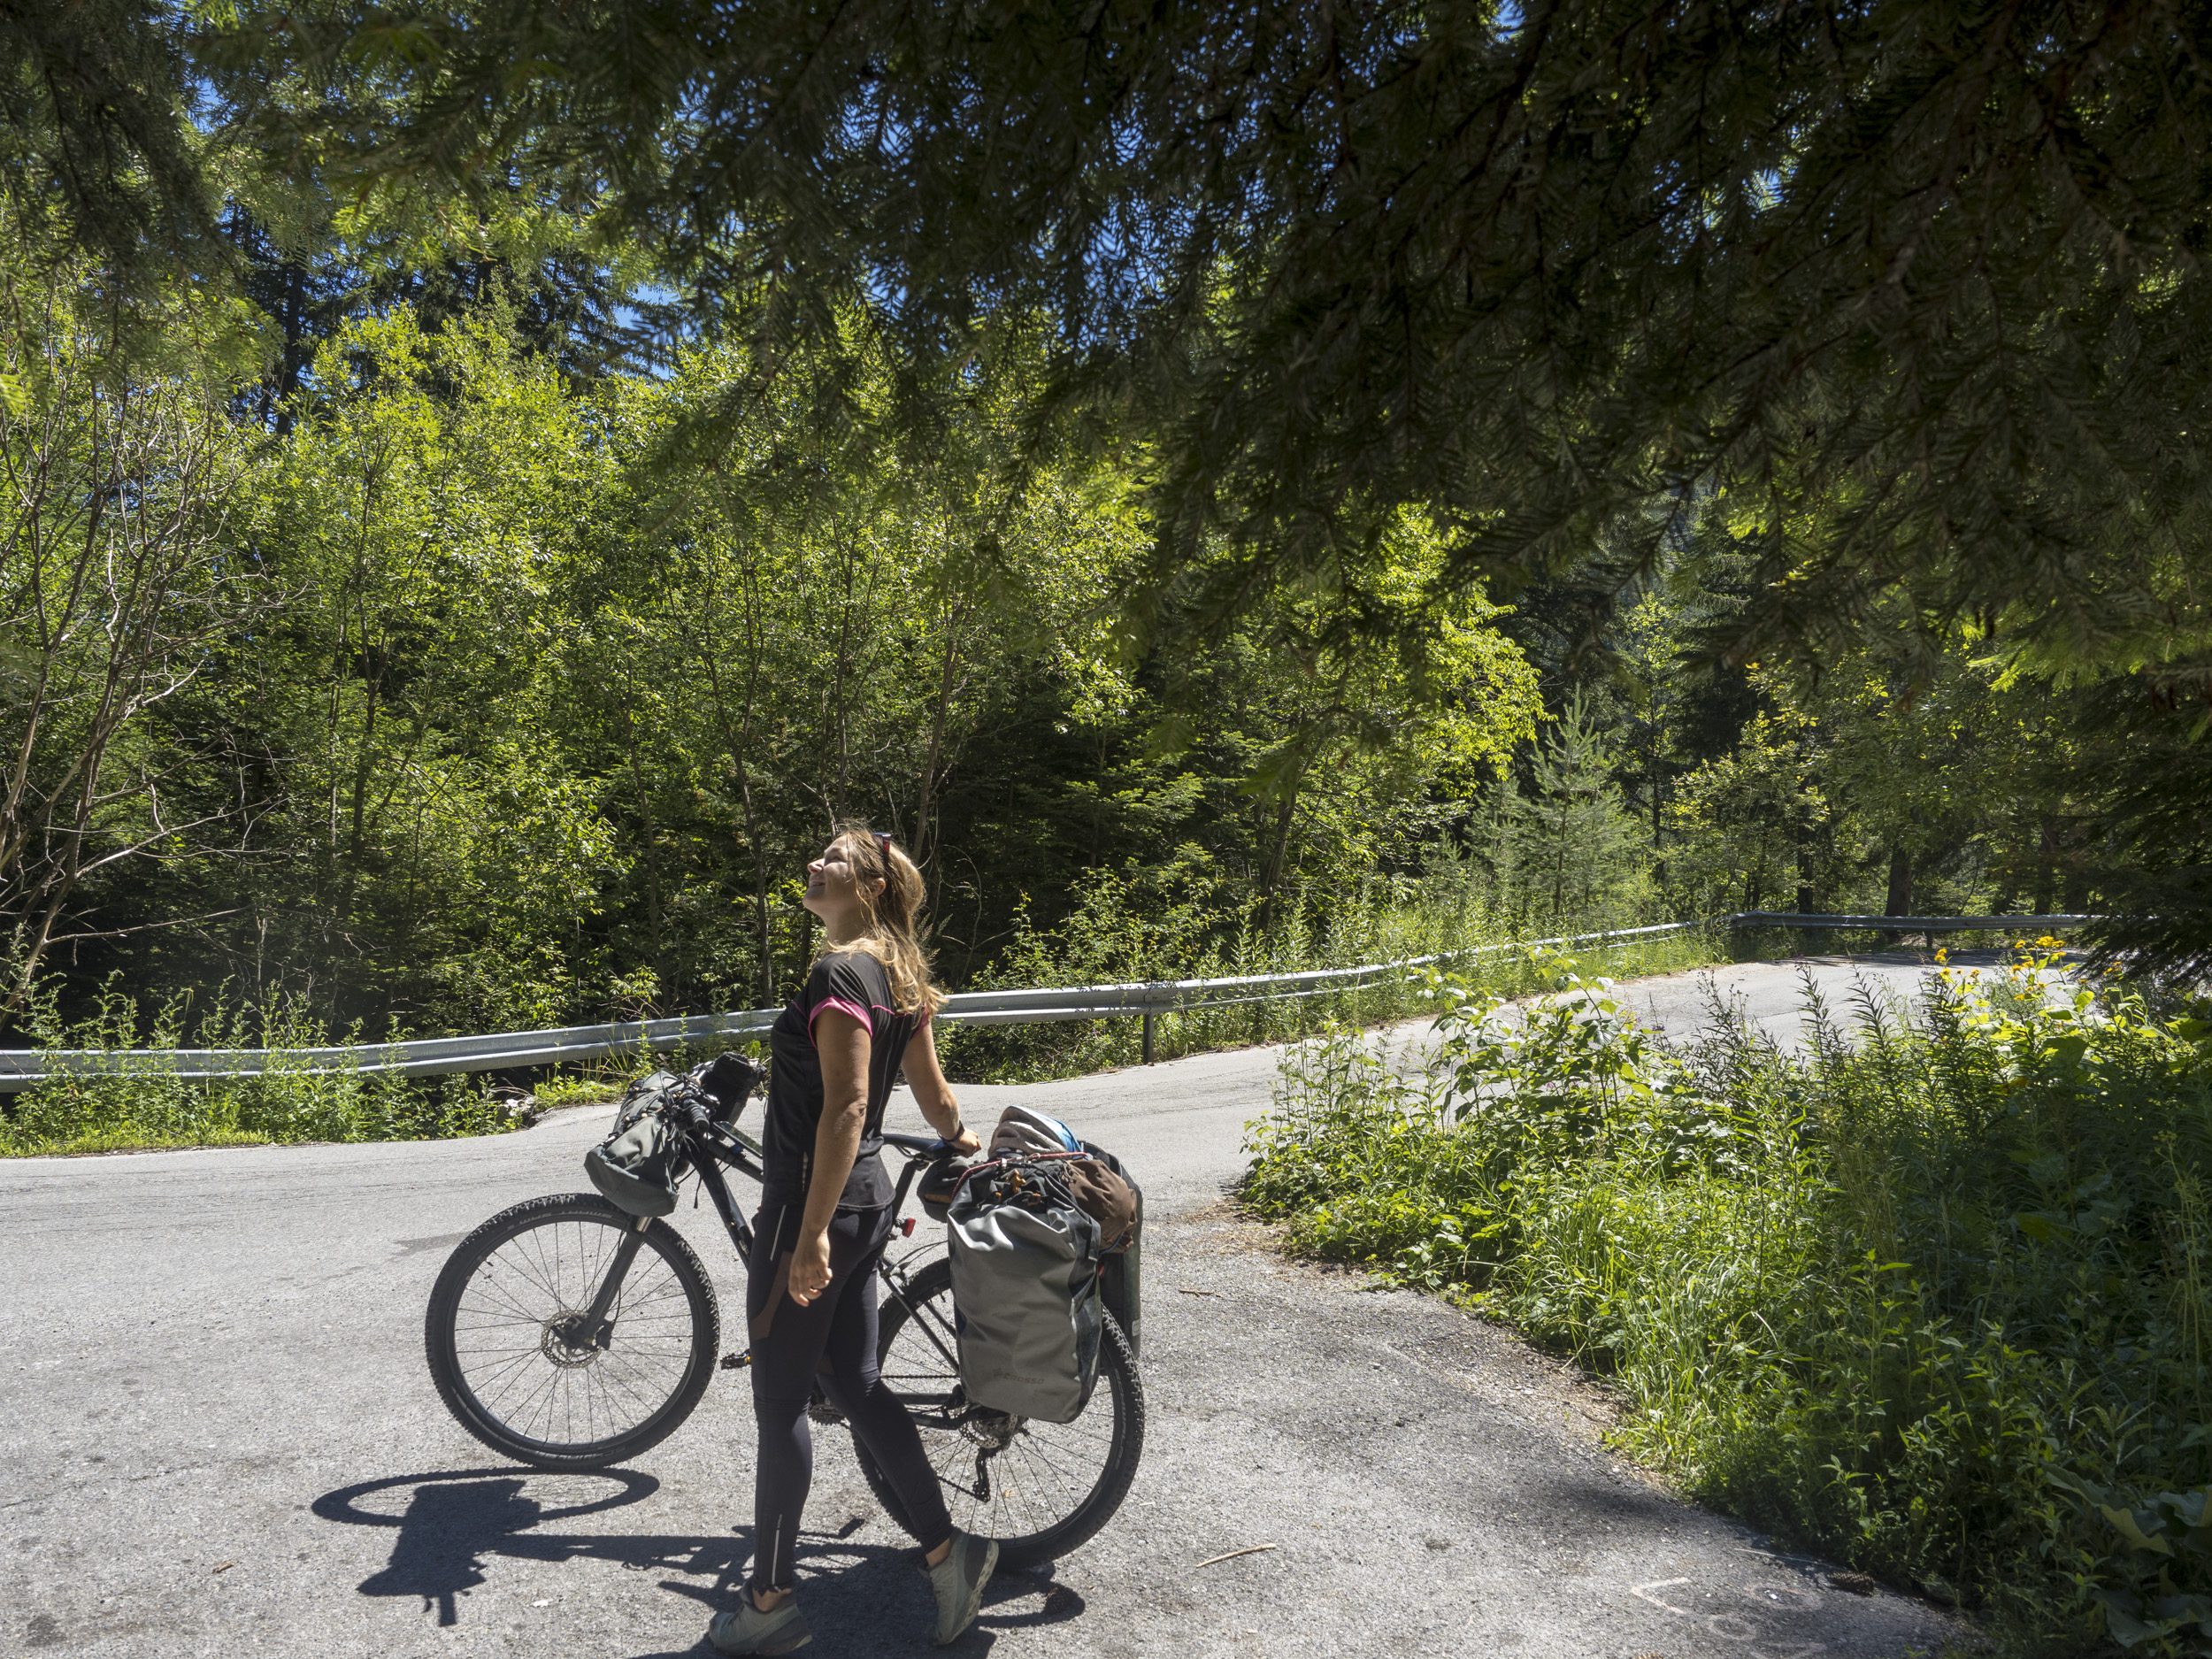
{"x":1918,"y":282}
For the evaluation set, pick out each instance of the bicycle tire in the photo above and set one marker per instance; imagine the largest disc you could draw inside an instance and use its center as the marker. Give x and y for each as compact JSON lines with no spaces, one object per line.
{"x":589,"y":1213}
{"x":1120,"y":1388}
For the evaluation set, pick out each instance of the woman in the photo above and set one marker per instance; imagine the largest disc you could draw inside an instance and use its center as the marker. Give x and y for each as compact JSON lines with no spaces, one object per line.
{"x":825,"y":1215}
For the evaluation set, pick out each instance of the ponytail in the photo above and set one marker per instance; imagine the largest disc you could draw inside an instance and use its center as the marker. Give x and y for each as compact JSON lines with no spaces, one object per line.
{"x":892,"y":934}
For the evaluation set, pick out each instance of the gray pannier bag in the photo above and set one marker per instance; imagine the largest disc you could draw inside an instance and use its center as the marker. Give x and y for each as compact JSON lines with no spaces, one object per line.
{"x":1025,"y":1283}
{"x":1121,"y":1276}
{"x":1109,"y":1194}
{"x":1028,"y":1252}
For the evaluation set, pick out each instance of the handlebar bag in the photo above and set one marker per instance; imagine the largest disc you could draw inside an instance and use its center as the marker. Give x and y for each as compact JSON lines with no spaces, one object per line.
{"x":633,"y":1166}
{"x":1025,"y":1287}
{"x":730,"y":1080}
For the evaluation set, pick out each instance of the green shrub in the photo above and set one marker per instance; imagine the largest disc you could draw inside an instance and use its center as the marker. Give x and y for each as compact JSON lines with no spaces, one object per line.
{"x":1930,"y":1294}
{"x":148,"y":1104}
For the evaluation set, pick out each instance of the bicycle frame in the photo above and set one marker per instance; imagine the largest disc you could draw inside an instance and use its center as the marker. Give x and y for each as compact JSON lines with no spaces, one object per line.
{"x":1056,"y":1485}
{"x":710,"y":1146}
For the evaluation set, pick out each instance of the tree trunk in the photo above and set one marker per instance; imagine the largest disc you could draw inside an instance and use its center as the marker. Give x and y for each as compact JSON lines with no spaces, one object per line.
{"x":925,"y":831}
{"x":292,"y":360}
{"x":1900,"y":901}
{"x":737,"y":740}
{"x":841,"y":729}
{"x":1278,"y":848}
{"x":364,"y":766}
{"x":651,"y":849}
{"x":2076,"y":894}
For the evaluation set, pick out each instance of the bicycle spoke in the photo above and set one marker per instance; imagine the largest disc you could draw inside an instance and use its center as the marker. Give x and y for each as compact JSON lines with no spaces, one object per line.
{"x":503,"y":1373}
{"x":530,"y":1260}
{"x":537,"y":1376}
{"x":1044,"y":1474}
{"x":1075,"y":1485}
{"x":543,"y":1386}
{"x":492,"y":1287}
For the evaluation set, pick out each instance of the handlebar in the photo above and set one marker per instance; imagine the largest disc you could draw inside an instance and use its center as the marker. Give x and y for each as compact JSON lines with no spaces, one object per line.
{"x":918,"y":1146}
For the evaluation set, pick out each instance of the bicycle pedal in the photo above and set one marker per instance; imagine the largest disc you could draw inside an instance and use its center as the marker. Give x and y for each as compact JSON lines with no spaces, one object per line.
{"x":737,"y":1361}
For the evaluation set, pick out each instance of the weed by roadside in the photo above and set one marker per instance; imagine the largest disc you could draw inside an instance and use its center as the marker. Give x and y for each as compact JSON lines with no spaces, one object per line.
{"x":146,"y":1103}
{"x":1930,"y":1294}
{"x":577,"y":1091}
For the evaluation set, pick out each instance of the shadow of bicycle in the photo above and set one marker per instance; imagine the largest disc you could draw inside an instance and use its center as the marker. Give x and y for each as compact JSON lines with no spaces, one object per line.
{"x":451,"y":1526}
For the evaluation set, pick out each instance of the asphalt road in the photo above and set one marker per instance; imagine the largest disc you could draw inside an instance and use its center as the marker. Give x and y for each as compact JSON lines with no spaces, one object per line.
{"x":217,"y":1437}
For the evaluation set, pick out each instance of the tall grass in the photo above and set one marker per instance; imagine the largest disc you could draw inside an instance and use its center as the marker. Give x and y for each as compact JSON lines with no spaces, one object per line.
{"x":1120,"y":932}
{"x":1930,"y":1294}
{"x":149,"y":1105}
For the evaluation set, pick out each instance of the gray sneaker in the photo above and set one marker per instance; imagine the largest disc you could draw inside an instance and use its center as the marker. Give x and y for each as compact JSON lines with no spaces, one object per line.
{"x":959,"y":1580}
{"x":745,"y":1629}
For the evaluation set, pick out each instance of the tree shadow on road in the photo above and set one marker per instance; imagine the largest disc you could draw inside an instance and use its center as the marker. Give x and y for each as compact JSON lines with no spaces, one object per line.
{"x":452,"y":1525}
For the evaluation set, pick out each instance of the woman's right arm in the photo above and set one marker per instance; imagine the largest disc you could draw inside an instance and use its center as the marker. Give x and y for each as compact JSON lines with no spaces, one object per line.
{"x":932,"y":1093}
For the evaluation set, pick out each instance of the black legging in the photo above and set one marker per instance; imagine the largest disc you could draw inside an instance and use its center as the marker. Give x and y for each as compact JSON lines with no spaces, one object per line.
{"x":832,"y":1341}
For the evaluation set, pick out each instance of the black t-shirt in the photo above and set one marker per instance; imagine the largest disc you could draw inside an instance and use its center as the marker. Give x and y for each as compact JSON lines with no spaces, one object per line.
{"x":853,"y":983}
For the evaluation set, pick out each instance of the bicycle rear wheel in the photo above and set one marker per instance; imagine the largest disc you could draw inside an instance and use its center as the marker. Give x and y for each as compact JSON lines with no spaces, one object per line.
{"x":1041,"y":1489}
{"x":507,"y":1348}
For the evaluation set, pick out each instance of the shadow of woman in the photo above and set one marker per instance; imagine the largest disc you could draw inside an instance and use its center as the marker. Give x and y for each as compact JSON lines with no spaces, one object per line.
{"x":452,"y":1523}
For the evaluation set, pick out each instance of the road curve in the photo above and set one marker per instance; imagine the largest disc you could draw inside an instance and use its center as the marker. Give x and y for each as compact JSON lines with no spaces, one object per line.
{"x":219,"y":1439}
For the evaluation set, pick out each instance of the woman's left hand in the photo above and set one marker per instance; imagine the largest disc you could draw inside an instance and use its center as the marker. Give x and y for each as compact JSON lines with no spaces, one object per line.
{"x":810,"y":1268}
{"x":965,"y":1142}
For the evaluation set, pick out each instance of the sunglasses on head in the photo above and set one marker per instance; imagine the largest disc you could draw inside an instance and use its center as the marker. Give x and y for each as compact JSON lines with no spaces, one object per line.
{"x":883,"y":844}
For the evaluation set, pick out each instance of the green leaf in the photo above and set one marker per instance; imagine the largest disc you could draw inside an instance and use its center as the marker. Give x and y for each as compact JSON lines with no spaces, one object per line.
{"x":2129,"y":1524}
{"x":2126,"y":1629}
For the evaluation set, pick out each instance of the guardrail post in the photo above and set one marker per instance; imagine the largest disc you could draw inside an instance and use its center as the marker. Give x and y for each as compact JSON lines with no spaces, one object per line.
{"x":1147,"y":1036}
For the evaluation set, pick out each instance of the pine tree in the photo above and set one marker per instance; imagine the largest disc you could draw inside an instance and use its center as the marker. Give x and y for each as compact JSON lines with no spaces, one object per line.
{"x":2143,"y":769}
{"x":1579,"y":853}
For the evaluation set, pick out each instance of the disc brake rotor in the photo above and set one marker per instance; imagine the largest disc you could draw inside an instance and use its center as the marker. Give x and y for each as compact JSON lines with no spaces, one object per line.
{"x":565,"y":1343}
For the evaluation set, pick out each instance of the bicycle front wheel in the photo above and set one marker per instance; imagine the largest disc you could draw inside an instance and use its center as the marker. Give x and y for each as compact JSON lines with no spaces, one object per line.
{"x":508,"y":1347}
{"x":1040,"y":1488}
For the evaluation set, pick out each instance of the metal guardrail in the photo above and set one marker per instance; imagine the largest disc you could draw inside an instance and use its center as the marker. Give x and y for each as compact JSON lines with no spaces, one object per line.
{"x":426,"y":1056}
{"x":1903,"y":924}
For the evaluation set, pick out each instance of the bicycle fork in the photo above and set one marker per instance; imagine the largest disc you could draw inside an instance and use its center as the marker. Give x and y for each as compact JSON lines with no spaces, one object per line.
{"x":593,"y":1328}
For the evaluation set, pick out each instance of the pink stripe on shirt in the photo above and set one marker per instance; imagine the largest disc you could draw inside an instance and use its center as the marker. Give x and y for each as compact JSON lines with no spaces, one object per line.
{"x":842,"y":1007}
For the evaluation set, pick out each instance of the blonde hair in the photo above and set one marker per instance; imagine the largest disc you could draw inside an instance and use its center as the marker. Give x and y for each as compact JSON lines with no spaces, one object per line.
{"x":892,"y":932}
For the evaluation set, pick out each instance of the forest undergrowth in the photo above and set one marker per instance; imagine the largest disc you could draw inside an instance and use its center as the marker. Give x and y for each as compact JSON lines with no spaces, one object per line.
{"x":1931,"y":1294}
